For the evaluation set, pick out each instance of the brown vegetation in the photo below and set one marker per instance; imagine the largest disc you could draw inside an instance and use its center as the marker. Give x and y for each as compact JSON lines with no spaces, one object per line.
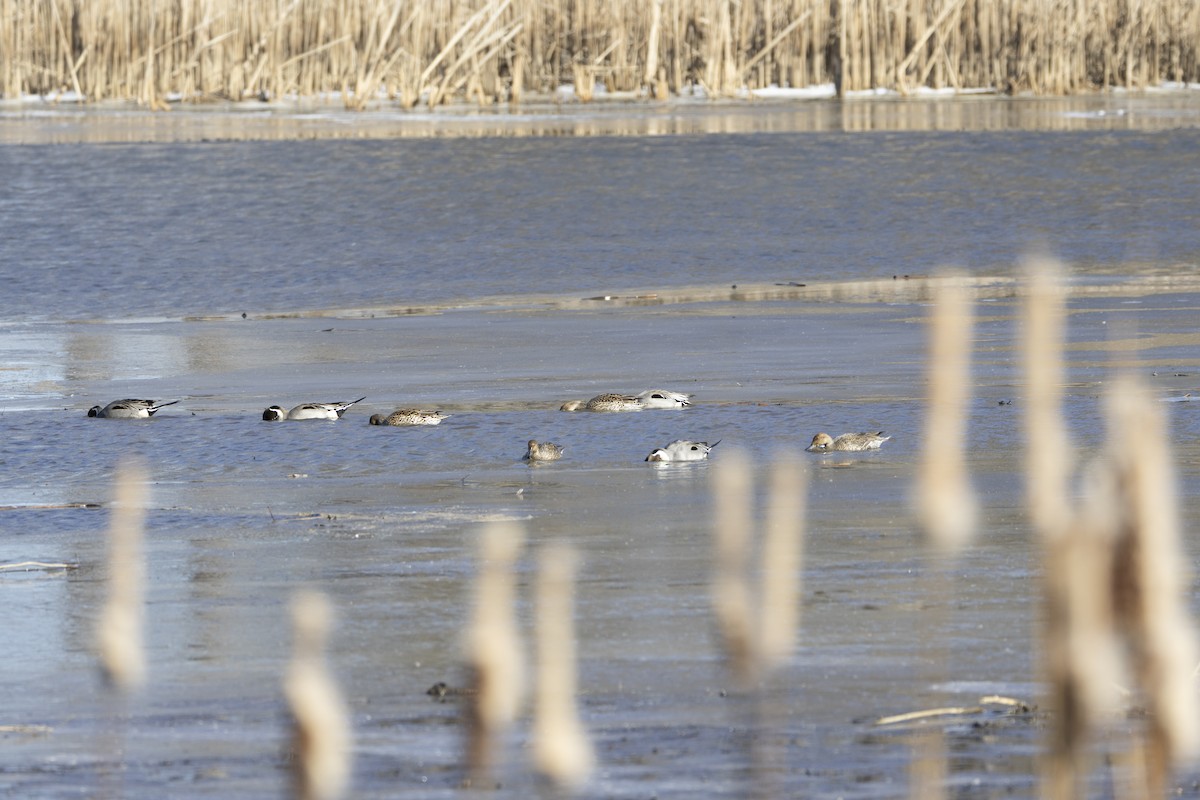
{"x":495,"y":50}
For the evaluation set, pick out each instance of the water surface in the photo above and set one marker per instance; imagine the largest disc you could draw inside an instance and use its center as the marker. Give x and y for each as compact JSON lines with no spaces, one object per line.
{"x":127,"y":270}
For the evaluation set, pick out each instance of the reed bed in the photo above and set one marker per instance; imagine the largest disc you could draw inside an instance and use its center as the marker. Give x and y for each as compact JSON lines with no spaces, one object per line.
{"x":490,"y":51}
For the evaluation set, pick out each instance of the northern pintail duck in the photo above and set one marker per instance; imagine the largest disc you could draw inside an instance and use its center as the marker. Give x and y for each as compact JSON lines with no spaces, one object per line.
{"x":128,"y":409}
{"x":543,"y":451}
{"x":310,"y":411}
{"x":682,"y":450}
{"x":651,"y":398}
{"x":661,"y":398}
{"x":409,"y":416}
{"x":824,"y":443}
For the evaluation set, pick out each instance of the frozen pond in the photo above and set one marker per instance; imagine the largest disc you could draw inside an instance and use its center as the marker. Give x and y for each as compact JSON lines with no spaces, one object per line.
{"x":470,"y":273}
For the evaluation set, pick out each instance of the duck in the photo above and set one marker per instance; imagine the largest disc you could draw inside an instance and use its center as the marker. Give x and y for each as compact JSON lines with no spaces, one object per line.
{"x":129,"y":409}
{"x":409,"y":416}
{"x":682,"y":450}
{"x":543,"y":451}
{"x":661,"y":398}
{"x":613,"y":402}
{"x":824,"y":443}
{"x":649,"y":399}
{"x":310,"y":411}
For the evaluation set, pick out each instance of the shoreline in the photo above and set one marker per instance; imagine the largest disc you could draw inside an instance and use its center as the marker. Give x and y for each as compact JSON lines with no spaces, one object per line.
{"x":899,"y":289}
{"x":47,"y":121}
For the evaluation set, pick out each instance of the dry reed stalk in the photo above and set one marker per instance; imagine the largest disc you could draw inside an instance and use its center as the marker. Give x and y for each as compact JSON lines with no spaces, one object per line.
{"x":757,"y":633}
{"x":119,"y":629}
{"x":375,"y":60}
{"x":493,"y":646}
{"x":1080,"y":658}
{"x":320,"y":724}
{"x":37,"y":565}
{"x":561,"y":749}
{"x":928,"y":769}
{"x":1149,"y":581}
{"x":732,"y":602}
{"x":1047,"y":450}
{"x":650,"y":74}
{"x":145,"y":49}
{"x":782,"y":562}
{"x":945,"y":504}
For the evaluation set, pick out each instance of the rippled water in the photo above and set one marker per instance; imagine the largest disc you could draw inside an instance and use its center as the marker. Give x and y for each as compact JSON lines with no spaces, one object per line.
{"x":160,"y":229}
{"x":127,"y":268}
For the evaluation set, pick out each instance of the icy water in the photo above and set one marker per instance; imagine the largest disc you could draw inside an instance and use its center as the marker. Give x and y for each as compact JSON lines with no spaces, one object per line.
{"x":495,"y":275}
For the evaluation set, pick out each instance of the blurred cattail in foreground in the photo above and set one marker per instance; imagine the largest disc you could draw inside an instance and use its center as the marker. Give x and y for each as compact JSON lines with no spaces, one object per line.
{"x":1080,"y":663}
{"x":943,"y":501}
{"x":782,"y":562}
{"x":119,"y":630}
{"x":1149,"y":580}
{"x":320,"y":727}
{"x":561,"y":749}
{"x":1048,"y":460}
{"x":1080,"y":660}
{"x":945,"y":504}
{"x":493,"y":647}
{"x":757,"y":633}
{"x":732,"y":601}
{"x":1113,"y":583}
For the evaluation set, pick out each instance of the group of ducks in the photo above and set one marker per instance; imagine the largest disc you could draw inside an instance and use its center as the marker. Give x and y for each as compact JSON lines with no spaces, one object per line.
{"x":678,"y":450}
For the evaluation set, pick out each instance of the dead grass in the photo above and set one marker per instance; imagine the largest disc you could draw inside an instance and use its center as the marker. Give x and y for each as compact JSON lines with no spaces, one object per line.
{"x":489,"y":51}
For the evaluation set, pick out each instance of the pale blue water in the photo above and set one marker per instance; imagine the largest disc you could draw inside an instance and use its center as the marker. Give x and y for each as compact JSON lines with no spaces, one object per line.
{"x":114,"y":231}
{"x":109,"y":249}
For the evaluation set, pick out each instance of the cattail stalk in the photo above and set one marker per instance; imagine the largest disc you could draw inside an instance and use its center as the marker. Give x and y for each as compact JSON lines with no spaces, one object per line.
{"x":1149,"y":581}
{"x":561,"y":749}
{"x":732,"y":598}
{"x":1081,"y":661}
{"x":493,"y":647}
{"x":119,"y":630}
{"x":945,"y":503}
{"x":320,"y":725}
{"x":1047,"y":450}
{"x":782,"y":562}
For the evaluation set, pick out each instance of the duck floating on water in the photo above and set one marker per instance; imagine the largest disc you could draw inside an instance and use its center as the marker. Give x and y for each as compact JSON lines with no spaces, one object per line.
{"x":682,"y":450}
{"x":649,"y":399}
{"x":543,"y":451}
{"x":310,"y":411}
{"x":129,"y":409}
{"x":847,"y":442}
{"x":409,"y":416}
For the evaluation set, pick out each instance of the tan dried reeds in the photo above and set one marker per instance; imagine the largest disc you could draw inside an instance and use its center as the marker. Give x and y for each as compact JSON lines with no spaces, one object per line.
{"x":782,"y":561}
{"x":492,"y":50}
{"x":945,"y":504}
{"x":1048,"y":460}
{"x":119,"y":629}
{"x":320,"y":724}
{"x":1113,"y":585}
{"x":757,"y":630}
{"x":493,"y":647}
{"x":1080,"y":657}
{"x":1080,"y":663}
{"x":1149,"y":581}
{"x":562,"y":751}
{"x":732,"y":598}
